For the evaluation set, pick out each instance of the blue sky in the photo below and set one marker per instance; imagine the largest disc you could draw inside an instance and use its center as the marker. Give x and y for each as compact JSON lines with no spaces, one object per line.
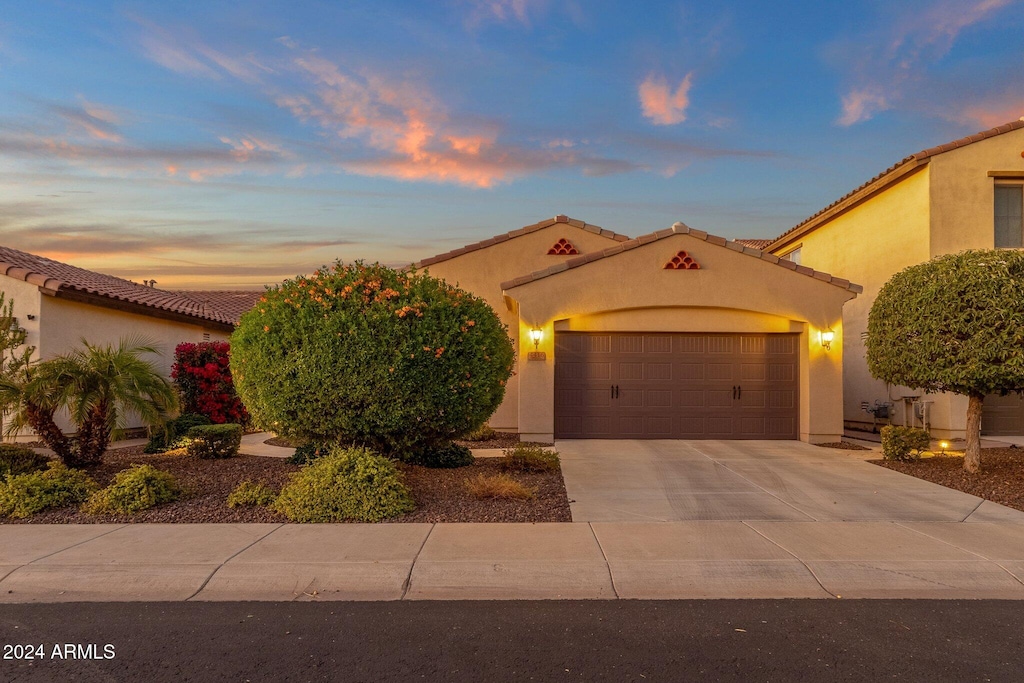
{"x":231,"y":144}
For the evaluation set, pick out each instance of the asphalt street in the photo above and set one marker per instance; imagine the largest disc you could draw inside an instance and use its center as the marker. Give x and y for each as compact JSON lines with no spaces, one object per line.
{"x":742,"y":640}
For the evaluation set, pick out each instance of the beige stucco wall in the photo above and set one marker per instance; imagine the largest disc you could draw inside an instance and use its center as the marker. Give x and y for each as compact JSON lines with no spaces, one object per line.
{"x":482,"y":272}
{"x":731,"y":292}
{"x":26,"y":299}
{"x":868,"y":244}
{"x":64,"y":324}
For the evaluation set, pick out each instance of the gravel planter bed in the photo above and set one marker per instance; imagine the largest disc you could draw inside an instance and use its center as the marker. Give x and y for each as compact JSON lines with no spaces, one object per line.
{"x":843,"y":446}
{"x":1001,"y":479}
{"x":500,"y":440}
{"x":440,"y":494}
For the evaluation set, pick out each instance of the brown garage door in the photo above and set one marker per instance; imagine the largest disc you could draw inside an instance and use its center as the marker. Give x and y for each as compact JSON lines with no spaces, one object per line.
{"x":1002,"y":415}
{"x":675,"y":386}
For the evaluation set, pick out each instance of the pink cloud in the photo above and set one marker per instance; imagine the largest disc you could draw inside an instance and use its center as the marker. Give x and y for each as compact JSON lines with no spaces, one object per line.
{"x":861,"y":105}
{"x":888,"y":67}
{"x":660,"y":104}
{"x":994,"y":111}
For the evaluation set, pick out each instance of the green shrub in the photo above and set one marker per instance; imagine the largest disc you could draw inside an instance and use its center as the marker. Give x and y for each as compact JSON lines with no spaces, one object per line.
{"x":346,"y":484}
{"x":904,"y":443}
{"x":58,"y":486}
{"x":529,"y":458}
{"x":214,"y":441}
{"x":307,"y":453}
{"x":173,"y":433}
{"x":445,"y":455}
{"x":16,"y":459}
{"x":481,"y":433}
{"x":250,"y":493}
{"x":396,"y":360}
{"x":137,"y":488}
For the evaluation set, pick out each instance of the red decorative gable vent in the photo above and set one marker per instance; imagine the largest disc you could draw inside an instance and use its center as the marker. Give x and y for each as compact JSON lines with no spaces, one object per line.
{"x":682,"y":261}
{"x":563,"y":247}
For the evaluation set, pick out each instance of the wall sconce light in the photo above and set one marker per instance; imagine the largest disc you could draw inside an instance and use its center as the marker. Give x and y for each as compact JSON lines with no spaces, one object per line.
{"x":535,"y":335}
{"x":827,"y":337}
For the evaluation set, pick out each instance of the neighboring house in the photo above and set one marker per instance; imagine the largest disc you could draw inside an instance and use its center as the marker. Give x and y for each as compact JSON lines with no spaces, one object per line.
{"x":966,"y":194}
{"x":59,"y":305}
{"x":675,"y":334}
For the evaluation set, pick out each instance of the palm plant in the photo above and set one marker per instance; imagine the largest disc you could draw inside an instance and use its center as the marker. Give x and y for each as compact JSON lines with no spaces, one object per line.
{"x":100,"y":387}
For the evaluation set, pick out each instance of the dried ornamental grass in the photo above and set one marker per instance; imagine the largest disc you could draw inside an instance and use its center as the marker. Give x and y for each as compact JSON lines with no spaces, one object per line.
{"x":498,"y":486}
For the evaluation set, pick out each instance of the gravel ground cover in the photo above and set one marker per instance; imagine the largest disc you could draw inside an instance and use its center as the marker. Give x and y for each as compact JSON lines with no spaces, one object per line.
{"x":500,"y":440}
{"x":440,"y":494}
{"x":1001,"y":479}
{"x":843,"y":446}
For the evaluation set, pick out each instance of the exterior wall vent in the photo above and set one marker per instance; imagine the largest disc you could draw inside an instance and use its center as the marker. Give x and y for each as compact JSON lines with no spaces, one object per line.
{"x":563,"y":247}
{"x":682,"y":261}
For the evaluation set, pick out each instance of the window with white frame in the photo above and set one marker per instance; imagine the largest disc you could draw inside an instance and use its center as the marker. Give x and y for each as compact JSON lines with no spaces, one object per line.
{"x":793,"y":256}
{"x":1009,"y":216}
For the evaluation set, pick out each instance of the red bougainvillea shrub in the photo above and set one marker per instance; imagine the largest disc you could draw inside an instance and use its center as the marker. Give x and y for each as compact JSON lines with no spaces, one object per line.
{"x":202,"y":373}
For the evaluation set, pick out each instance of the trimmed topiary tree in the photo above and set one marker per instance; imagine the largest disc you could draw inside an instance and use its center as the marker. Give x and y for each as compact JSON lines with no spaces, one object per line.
{"x":396,"y":360}
{"x":956,"y":324}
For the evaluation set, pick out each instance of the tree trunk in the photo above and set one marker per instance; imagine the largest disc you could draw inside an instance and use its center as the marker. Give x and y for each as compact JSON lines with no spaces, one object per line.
{"x":972,"y":456}
{"x":41,"y":420}
{"x":94,"y":436}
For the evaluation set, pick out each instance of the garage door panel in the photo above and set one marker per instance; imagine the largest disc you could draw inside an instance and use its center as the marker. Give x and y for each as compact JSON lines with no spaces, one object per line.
{"x":722,"y":372}
{"x":1002,"y":415}
{"x":689,"y":371}
{"x":676,"y":385}
{"x":720,"y":398}
{"x":752,"y":398}
{"x":658,"y":372}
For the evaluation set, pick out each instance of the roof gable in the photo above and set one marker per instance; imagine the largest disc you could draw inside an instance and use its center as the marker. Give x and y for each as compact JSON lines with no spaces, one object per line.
{"x":679,"y":229}
{"x":560,"y":219}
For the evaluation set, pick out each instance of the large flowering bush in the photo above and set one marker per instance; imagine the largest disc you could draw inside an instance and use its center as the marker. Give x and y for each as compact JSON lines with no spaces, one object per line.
{"x":396,"y":360}
{"x":202,"y":374}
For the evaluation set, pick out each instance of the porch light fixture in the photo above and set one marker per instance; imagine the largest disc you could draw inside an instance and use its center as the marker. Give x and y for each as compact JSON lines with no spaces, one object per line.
{"x":535,"y":335}
{"x":827,"y":336}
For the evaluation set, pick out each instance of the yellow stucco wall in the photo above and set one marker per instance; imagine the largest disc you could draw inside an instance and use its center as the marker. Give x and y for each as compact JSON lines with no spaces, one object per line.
{"x":731,"y":292}
{"x":482,"y":272}
{"x":868,"y":244}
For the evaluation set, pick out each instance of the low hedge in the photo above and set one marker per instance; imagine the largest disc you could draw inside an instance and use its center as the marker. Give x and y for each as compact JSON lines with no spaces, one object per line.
{"x":528,"y":458}
{"x":16,"y":459}
{"x":444,"y":455}
{"x":214,"y":441}
{"x":346,"y":484}
{"x":58,"y":486}
{"x":137,"y":488}
{"x":307,"y":453}
{"x":251,"y":494}
{"x":904,"y":443}
{"x":173,"y":433}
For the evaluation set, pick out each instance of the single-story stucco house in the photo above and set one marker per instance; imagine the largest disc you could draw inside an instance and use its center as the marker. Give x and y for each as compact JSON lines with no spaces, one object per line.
{"x":58,"y":305}
{"x":965,"y":194}
{"x":673,"y":335}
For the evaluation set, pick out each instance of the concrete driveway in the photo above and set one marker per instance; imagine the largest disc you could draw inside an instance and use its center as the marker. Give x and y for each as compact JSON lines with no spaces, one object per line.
{"x":659,"y":481}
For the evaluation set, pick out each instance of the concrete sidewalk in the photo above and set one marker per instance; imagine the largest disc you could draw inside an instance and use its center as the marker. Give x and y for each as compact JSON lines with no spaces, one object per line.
{"x":727,"y":559}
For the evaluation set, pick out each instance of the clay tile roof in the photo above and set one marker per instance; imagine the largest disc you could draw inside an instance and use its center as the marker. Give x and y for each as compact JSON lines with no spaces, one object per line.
{"x":755,"y":243}
{"x":677,"y":229}
{"x":230,"y":303}
{"x":893,"y":173}
{"x":519,"y":233}
{"x":56,"y":277}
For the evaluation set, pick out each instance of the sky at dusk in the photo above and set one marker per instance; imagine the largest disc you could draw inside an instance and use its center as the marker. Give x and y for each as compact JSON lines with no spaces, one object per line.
{"x":232,"y":144}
